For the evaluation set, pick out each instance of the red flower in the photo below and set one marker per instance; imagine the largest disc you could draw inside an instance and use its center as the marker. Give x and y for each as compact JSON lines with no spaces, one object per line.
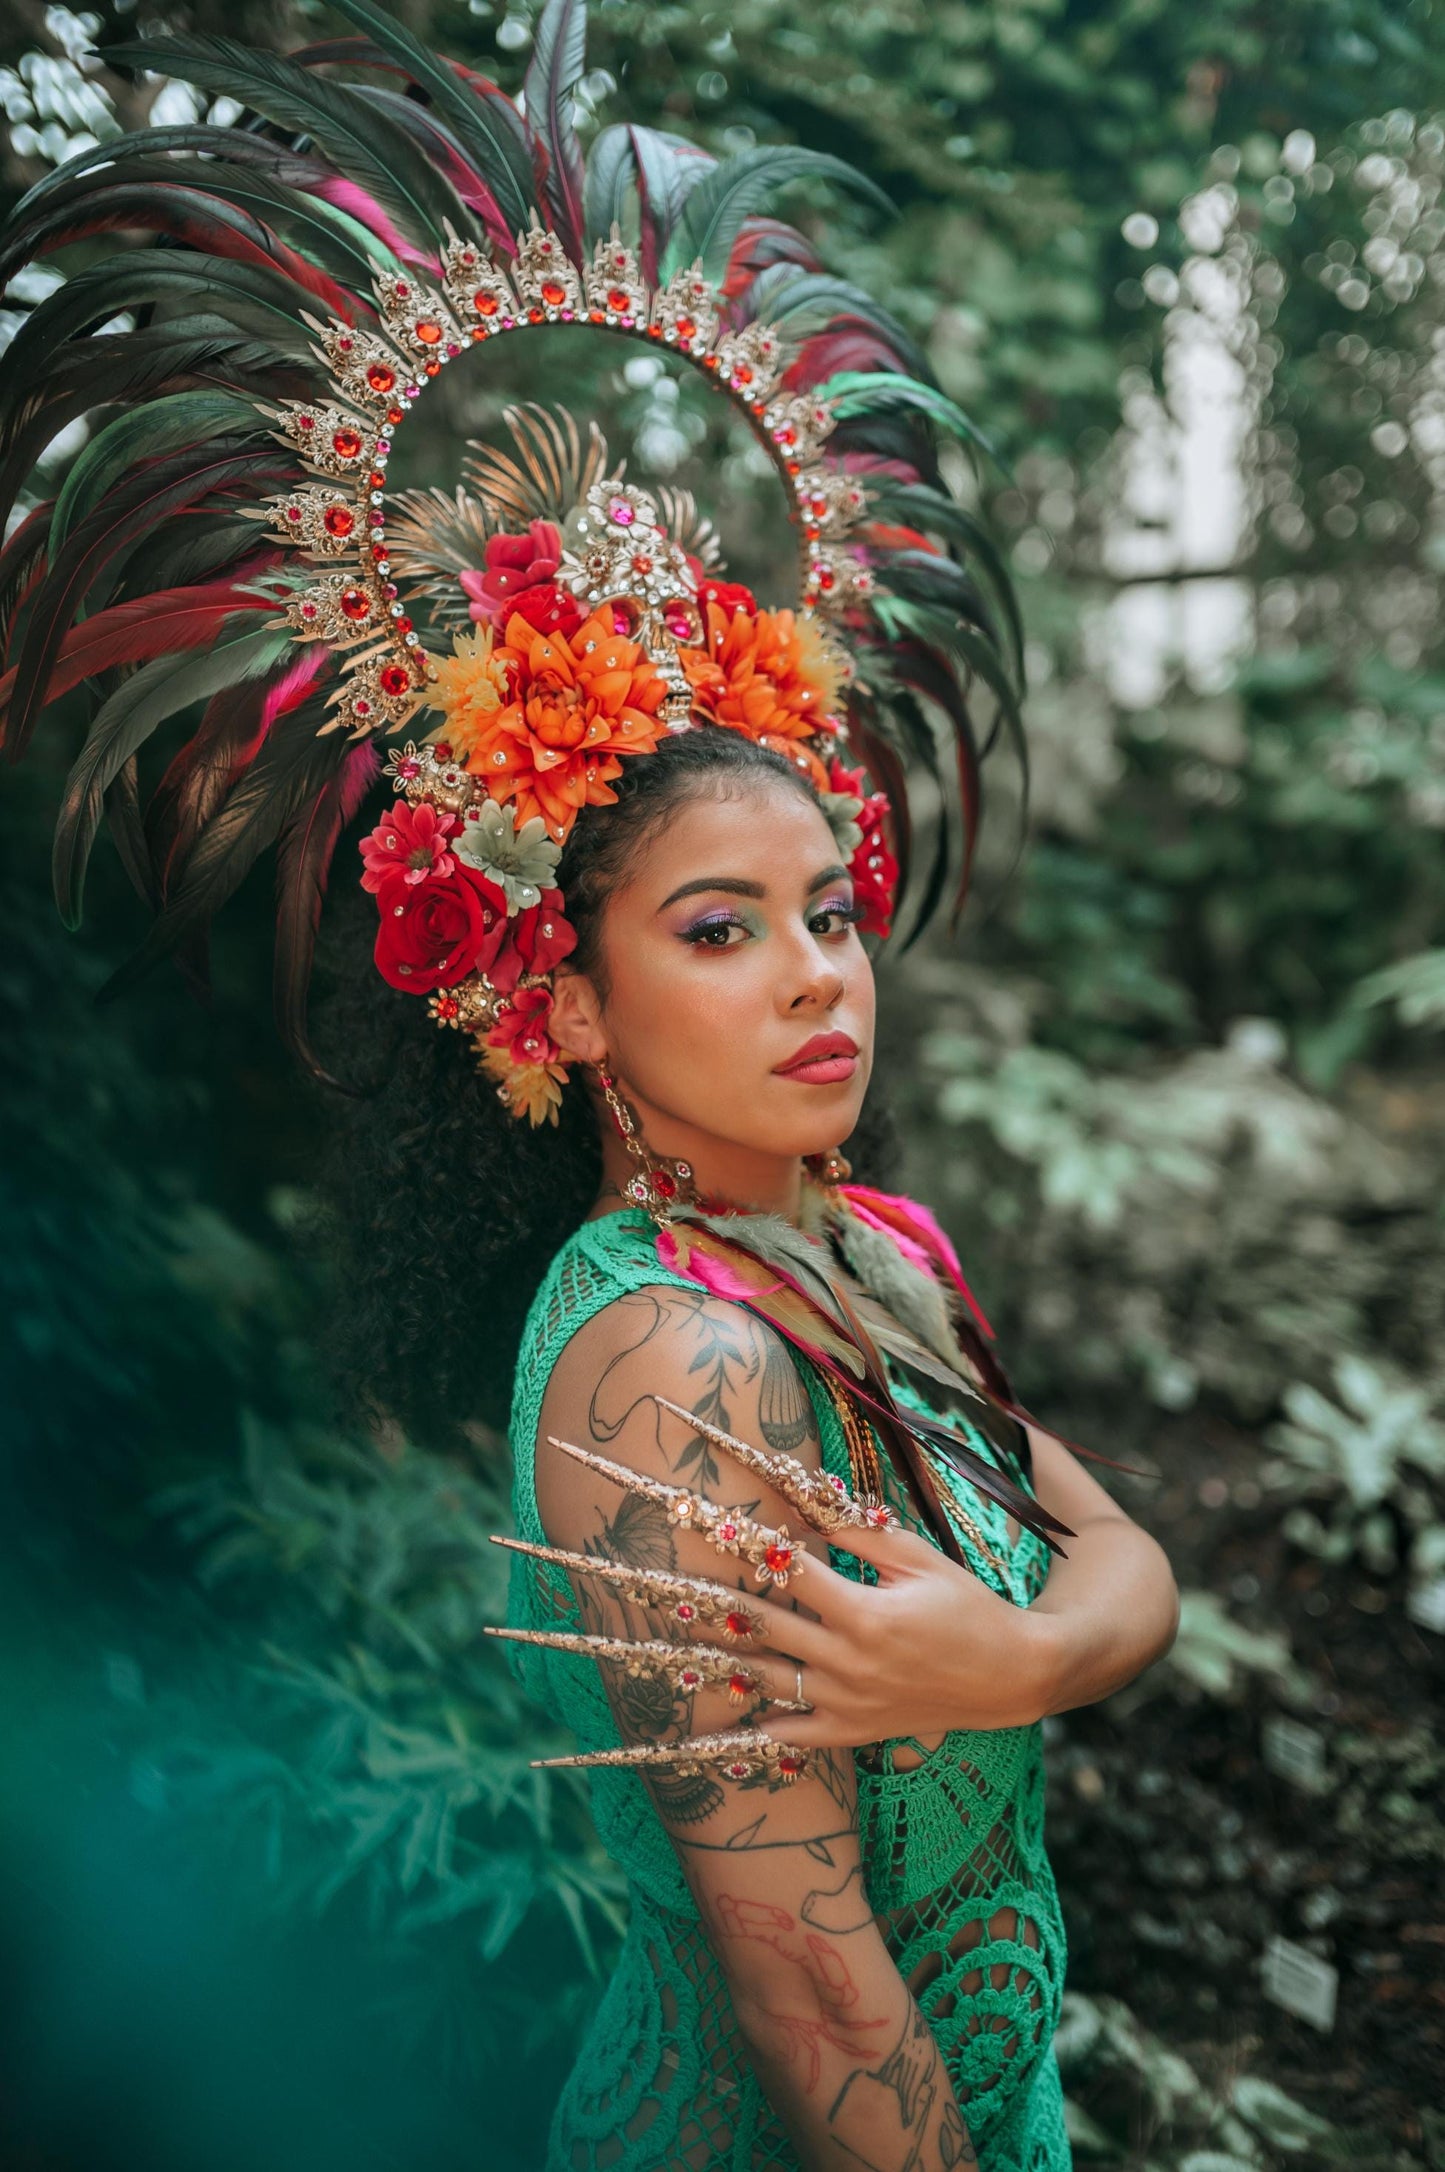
{"x":410,"y":842}
{"x":542,"y":935}
{"x":434,"y":933}
{"x":514,"y":564}
{"x":873,"y":867}
{"x":729,"y":596}
{"x":549,"y":608}
{"x":522,"y":1028}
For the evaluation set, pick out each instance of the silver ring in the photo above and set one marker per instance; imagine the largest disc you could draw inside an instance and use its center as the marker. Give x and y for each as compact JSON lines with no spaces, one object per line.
{"x":798,"y":1670}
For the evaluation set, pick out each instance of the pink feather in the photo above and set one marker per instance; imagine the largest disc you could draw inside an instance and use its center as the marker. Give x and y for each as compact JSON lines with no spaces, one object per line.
{"x":919,"y":1237}
{"x":349,"y":196}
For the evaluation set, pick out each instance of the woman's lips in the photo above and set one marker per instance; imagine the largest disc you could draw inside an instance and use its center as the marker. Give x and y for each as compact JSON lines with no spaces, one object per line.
{"x":827,"y":1060}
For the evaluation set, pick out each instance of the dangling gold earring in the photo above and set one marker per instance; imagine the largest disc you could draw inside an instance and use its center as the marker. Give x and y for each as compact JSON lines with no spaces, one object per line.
{"x":659,"y":1183}
{"x":828,"y":1169}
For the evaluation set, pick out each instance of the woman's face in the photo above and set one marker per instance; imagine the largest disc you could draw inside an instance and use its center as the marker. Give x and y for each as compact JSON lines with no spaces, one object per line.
{"x":739,"y":1003}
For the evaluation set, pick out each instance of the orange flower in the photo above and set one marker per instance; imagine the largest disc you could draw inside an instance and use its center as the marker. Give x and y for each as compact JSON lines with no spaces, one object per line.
{"x":471,"y":689}
{"x":767,"y":674}
{"x":577,"y":703}
{"x":533,"y":1090}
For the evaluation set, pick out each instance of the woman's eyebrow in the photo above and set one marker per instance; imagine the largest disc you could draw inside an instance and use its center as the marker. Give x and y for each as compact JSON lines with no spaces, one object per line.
{"x":733,"y":885}
{"x":737,"y":886}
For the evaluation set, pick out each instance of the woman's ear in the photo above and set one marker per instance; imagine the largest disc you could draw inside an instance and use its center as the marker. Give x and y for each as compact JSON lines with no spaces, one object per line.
{"x":575,"y":1023}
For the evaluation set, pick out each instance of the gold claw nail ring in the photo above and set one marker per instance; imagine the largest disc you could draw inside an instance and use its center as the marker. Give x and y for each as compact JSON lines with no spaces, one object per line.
{"x":771,"y":1553}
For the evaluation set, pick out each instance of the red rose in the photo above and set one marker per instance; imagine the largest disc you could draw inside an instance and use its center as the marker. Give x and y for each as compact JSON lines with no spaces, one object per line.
{"x":514,"y":563}
{"x":432,"y":934}
{"x":543,"y":937}
{"x":522,"y":1028}
{"x":548,"y":608}
{"x":729,"y":596}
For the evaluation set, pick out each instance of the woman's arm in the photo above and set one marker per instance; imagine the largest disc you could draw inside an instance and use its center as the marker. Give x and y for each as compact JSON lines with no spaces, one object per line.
{"x":930,"y":1646}
{"x":833,"y":2032}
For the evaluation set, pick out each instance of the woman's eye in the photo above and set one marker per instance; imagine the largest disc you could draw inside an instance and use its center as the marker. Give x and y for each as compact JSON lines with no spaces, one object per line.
{"x":836,"y":919}
{"x":714,"y":934}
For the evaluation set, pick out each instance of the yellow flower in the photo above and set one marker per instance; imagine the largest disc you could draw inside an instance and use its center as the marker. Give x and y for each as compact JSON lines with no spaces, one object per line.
{"x":533,"y":1090}
{"x":471,"y":686}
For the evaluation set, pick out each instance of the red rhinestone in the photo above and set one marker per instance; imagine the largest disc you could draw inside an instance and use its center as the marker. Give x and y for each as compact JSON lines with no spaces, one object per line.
{"x":442,"y":751}
{"x":293,"y":512}
{"x":376,"y":480}
{"x":684,"y":1610}
{"x":361,"y":706}
{"x":596,"y":316}
{"x":739,"y":1625}
{"x":395,"y":681}
{"x":790,"y":1767}
{"x":554,"y":294}
{"x":825,"y":576}
{"x":337,"y":520}
{"x":402,"y":293}
{"x":686,"y":328}
{"x":728,"y":1530}
{"x":690,"y":1678}
{"x":740,"y":1684}
{"x":355,"y":603}
{"x":794,"y":467}
{"x":641,"y":564}
{"x":346,"y":444}
{"x":306,"y":422}
{"x":665,"y":1184}
{"x":778,"y":1559}
{"x":396,"y":414}
{"x":432,"y":369}
{"x":447,"y":1007}
{"x":380,"y":377}
{"x":402,"y":625}
{"x":742,"y":374}
{"x":534,"y":316}
{"x":618,"y":298}
{"x":378,"y":552}
{"x":485,"y":305}
{"x":428,"y":331}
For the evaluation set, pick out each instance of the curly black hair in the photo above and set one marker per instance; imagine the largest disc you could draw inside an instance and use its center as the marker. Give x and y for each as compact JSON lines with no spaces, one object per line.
{"x":439,"y":1210}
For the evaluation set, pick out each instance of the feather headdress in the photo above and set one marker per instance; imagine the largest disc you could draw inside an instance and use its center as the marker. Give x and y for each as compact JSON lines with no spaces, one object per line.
{"x":319,"y":265}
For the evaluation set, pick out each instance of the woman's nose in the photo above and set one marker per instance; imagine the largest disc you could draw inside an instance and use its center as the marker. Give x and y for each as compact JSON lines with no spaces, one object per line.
{"x":819,"y":987}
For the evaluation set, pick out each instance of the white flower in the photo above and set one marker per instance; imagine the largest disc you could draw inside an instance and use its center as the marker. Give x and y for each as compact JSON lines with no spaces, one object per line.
{"x":840,"y":811}
{"x":521,"y":862}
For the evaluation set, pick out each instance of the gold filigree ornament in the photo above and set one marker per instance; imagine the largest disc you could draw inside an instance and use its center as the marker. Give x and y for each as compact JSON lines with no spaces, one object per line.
{"x":378,"y":374}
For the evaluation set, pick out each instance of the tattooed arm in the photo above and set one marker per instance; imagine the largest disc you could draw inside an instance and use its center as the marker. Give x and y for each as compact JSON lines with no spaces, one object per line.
{"x":833,"y":2032}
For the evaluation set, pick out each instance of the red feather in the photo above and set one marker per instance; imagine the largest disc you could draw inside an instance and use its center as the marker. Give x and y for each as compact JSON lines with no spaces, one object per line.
{"x":133,"y":632}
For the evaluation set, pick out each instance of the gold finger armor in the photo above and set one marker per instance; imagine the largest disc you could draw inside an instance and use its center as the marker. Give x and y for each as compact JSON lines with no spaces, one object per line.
{"x":730,"y":1756}
{"x":771,"y":1553}
{"x":688,"y":1667}
{"x":820,"y":1497}
{"x":691,"y":1601}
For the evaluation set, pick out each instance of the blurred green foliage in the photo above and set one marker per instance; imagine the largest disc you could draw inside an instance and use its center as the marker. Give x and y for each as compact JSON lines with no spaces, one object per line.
{"x":1178,"y":1090}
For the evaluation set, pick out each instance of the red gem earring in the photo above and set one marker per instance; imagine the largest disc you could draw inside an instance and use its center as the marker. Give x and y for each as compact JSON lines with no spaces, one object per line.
{"x":658,"y":1183}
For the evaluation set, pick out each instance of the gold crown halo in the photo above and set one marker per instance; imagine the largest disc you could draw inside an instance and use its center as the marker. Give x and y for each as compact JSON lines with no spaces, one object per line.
{"x":619,"y":551}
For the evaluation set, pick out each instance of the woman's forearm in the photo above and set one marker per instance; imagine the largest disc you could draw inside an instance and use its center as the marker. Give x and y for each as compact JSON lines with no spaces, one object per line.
{"x":853,"y":2070}
{"x":1106,"y":1613}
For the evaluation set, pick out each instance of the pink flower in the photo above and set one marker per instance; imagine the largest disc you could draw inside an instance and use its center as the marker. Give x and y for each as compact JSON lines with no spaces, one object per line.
{"x":514,"y":563}
{"x":409,"y":841}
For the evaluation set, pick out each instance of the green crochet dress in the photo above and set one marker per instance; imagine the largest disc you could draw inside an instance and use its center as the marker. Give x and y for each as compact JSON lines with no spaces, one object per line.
{"x":952,"y":1849}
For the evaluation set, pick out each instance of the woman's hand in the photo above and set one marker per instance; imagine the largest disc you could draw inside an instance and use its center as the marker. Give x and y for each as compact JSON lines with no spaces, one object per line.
{"x":927,"y":1648}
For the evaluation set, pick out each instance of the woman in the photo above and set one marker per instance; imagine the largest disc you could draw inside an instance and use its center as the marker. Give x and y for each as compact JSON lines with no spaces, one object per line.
{"x":785,"y":1558}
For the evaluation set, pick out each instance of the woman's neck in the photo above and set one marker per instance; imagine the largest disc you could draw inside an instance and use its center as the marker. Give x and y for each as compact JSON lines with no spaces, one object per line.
{"x":741,"y":1176}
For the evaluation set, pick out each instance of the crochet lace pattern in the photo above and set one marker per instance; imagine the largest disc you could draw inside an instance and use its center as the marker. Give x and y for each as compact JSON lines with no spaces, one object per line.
{"x":952,"y":1848}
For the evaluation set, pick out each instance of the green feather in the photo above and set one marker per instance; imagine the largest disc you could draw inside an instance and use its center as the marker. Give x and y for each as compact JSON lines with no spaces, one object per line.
{"x":884,"y":392}
{"x":485,"y":133}
{"x":126,"y":720}
{"x":730,"y":193}
{"x":164,"y":425}
{"x":361,"y":142}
